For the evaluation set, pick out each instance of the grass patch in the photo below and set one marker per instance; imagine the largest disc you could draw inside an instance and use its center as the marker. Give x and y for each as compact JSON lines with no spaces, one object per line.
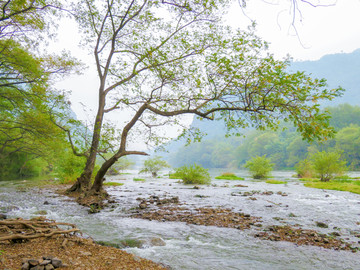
{"x":276,"y":182}
{"x":341,"y":185}
{"x":112,"y":184}
{"x":229,"y":176}
{"x":309,"y":179}
{"x":139,"y":179}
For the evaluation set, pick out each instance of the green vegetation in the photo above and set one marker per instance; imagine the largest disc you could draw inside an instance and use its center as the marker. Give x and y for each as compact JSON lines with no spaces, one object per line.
{"x":113,"y":184}
{"x":259,"y":167}
{"x":154,"y":165}
{"x":122,"y":164}
{"x":275,"y":182}
{"x":193,"y":174}
{"x":178,"y":73}
{"x":139,"y":179}
{"x":328,"y":165}
{"x":351,"y":186}
{"x":182,"y":75}
{"x":305,"y":169}
{"x":229,"y":176}
{"x":285,"y":148}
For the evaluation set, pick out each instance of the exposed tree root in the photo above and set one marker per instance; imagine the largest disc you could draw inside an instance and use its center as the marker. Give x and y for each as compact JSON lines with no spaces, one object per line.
{"x":21,"y":229}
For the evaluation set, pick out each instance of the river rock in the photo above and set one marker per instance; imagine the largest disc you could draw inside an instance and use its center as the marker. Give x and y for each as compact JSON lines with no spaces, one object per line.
{"x":48,"y":263}
{"x":321,"y":224}
{"x":157,"y":241}
{"x":25,"y":266}
{"x":49,"y":267}
{"x":33,"y":262}
{"x":41,"y":212}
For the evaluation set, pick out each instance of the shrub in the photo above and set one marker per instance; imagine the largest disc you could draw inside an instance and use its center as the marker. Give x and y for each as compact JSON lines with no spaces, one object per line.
{"x":328,"y":165}
{"x":154,"y":165}
{"x":194,"y":174}
{"x":69,"y":167}
{"x":229,"y":176}
{"x":305,"y":169}
{"x":259,"y":167}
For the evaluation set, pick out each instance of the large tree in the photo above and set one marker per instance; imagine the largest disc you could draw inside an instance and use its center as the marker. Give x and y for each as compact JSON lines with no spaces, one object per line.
{"x":26,"y":98}
{"x":163,"y":59}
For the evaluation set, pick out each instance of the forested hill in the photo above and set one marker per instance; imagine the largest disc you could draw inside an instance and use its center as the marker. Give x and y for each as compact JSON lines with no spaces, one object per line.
{"x":286,"y":148}
{"x":341,"y":69}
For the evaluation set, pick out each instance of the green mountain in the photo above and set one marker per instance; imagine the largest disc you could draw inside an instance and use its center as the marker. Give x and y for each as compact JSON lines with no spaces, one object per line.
{"x":342,"y":69}
{"x":338,"y":69}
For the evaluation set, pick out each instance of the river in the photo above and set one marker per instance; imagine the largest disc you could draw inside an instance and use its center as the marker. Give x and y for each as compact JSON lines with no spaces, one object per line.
{"x":207,"y":247}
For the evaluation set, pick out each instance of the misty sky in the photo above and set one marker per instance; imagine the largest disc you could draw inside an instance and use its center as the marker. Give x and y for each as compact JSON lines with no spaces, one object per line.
{"x":321,"y":30}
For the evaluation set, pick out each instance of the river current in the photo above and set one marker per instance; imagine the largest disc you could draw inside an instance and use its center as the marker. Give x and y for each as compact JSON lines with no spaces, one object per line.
{"x":207,"y":247}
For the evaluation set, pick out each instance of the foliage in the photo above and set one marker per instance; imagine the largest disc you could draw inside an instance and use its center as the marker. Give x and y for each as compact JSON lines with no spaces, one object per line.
{"x":29,"y":140}
{"x":351,"y":186}
{"x":193,"y":65}
{"x":305,"y":169}
{"x":193,"y":174}
{"x":259,"y":167}
{"x":348,"y":141}
{"x":328,"y":164}
{"x":154,"y":165}
{"x":275,"y":182}
{"x":285,"y":148}
{"x":123,"y":164}
{"x":68,"y":167}
{"x":229,"y":176}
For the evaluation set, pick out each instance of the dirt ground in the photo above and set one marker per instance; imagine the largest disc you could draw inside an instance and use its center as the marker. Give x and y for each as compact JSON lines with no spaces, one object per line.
{"x":76,"y":253}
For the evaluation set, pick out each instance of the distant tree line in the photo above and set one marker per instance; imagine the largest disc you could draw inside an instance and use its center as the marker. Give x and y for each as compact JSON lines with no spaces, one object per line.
{"x":285,"y":147}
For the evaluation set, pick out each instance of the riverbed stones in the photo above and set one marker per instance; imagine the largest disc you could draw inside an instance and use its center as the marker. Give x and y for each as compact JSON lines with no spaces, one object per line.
{"x":207,"y":216}
{"x":321,"y":224}
{"x":301,"y":237}
{"x":46,"y":263}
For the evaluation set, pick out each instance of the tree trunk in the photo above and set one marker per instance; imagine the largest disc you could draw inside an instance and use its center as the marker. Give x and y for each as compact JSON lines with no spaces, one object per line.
{"x":100,"y":176}
{"x":82,"y":183}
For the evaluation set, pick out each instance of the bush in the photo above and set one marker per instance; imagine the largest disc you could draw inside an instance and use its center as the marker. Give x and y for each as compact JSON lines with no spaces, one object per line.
{"x":328,"y":165}
{"x":194,"y":174}
{"x":154,"y":165}
{"x":69,"y":167}
{"x":259,"y":167}
{"x":305,"y":169}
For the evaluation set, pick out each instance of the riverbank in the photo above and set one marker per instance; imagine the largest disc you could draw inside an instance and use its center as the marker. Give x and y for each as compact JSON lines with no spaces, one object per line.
{"x":75,"y":253}
{"x":294,"y":221}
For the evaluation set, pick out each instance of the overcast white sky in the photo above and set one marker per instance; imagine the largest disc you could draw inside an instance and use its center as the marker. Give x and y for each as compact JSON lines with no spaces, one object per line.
{"x":321,"y":30}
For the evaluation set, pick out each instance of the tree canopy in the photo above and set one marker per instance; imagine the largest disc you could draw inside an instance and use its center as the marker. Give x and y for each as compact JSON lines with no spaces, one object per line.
{"x":165,"y":59}
{"x":26,"y":98}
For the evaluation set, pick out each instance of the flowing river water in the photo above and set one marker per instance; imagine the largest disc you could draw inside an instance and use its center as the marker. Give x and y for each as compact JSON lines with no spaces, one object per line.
{"x":207,"y":247}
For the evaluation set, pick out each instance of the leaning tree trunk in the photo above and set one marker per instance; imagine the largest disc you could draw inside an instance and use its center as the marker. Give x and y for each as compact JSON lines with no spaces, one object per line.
{"x":99,"y":178}
{"x":82,"y":183}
